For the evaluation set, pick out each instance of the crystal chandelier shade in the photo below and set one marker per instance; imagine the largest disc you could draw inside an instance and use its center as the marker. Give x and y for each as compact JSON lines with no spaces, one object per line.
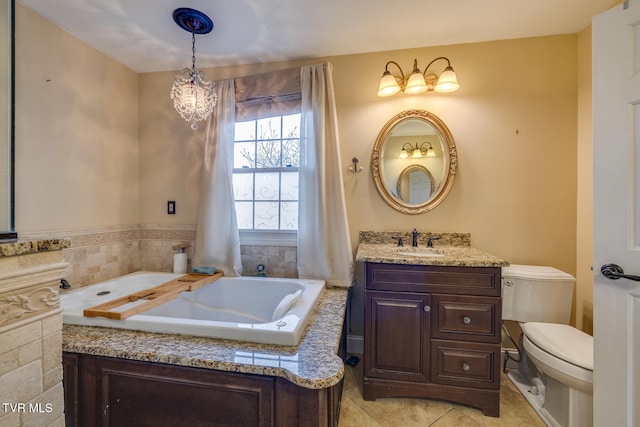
{"x":193,"y":96}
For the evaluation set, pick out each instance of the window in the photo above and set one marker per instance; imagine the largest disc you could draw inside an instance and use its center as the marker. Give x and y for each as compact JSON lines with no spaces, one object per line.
{"x":266,"y":157}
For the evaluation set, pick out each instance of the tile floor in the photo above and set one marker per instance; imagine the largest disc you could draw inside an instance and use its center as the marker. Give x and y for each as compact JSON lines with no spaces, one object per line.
{"x":391,"y":412}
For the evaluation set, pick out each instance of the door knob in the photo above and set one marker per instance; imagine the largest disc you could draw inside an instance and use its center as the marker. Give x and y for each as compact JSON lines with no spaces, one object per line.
{"x":615,"y":272}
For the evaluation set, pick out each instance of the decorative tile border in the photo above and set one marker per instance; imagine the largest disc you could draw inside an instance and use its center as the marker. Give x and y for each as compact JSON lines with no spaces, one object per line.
{"x":21,"y":306}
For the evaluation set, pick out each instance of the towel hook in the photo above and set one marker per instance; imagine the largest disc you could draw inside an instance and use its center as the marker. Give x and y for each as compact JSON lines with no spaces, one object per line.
{"x":355,"y":168}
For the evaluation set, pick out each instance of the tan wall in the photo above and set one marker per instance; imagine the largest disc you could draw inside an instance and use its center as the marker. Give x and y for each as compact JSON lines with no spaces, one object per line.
{"x":76,"y":132}
{"x":584,"y":218}
{"x":88,"y":156}
{"x":514,"y":122}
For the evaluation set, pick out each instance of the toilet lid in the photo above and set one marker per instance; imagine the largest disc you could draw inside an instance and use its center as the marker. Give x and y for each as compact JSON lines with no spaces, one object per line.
{"x":535,"y":272}
{"x":562,"y":341}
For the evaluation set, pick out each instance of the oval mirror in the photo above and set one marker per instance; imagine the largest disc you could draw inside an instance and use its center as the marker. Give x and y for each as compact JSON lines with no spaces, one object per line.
{"x":414,"y":161}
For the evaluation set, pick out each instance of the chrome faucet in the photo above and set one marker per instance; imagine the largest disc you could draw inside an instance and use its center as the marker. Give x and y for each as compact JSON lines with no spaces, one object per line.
{"x":414,"y":238}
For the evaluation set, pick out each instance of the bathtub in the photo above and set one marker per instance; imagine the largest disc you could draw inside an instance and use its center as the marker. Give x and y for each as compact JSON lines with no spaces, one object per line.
{"x":257,"y":309}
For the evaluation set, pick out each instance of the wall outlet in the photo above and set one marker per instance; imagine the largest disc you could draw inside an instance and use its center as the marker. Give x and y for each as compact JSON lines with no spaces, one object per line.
{"x":171,"y":207}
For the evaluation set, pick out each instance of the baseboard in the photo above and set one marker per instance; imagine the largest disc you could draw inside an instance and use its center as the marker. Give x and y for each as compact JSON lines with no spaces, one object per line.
{"x":355,"y":344}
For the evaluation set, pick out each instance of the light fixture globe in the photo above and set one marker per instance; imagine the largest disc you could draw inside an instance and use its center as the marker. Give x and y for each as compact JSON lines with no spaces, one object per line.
{"x":388,"y":85}
{"x":193,"y":96}
{"x":448,"y":81}
{"x":416,"y":84}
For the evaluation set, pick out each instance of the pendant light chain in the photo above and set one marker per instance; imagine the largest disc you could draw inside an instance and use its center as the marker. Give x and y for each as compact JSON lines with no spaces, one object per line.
{"x":193,"y":51}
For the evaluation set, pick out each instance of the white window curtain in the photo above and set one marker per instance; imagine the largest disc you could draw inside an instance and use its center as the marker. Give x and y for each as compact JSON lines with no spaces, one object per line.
{"x":324,"y":247}
{"x":217,"y":240}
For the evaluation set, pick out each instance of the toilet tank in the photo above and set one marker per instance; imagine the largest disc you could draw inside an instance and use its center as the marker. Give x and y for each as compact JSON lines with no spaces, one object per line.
{"x":532,"y":293}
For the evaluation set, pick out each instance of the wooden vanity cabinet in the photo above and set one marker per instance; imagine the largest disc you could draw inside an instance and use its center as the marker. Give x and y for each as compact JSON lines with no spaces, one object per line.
{"x":434,"y":332}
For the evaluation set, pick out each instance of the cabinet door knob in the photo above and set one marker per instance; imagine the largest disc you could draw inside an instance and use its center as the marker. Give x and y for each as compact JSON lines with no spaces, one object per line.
{"x":466,"y":320}
{"x":427,"y":308}
{"x":466,"y":367}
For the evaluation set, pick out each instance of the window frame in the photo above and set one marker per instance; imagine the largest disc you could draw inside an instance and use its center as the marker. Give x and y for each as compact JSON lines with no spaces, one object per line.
{"x":267,"y":237}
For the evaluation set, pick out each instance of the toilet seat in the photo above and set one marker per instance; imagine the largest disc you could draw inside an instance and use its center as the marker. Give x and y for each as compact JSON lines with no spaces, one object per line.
{"x":561,"y":352}
{"x":562,"y":341}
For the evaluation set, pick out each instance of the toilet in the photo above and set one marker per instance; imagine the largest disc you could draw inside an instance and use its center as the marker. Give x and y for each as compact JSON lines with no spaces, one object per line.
{"x":555,"y":371}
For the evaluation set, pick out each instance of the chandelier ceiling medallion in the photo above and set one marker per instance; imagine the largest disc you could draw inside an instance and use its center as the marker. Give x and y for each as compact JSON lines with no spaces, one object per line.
{"x":193,"y":96}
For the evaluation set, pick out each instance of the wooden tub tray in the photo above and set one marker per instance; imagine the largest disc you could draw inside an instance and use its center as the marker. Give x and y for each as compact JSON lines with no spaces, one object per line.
{"x":153,"y":296}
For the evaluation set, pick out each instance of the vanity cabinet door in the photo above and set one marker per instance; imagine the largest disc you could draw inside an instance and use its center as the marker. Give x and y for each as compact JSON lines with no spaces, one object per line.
{"x":119,"y":392}
{"x":397,"y":329}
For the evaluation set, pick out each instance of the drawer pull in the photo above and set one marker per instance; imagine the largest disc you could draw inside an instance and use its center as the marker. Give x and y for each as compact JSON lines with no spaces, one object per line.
{"x":466,"y":320}
{"x":466,"y":367}
{"x":427,"y":308}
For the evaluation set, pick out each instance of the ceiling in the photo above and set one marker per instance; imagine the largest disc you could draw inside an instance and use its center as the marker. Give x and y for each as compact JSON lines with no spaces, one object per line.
{"x":141,"y":34}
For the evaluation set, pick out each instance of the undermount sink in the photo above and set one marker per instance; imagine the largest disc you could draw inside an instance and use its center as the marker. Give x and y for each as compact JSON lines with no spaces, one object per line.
{"x":420,"y":252}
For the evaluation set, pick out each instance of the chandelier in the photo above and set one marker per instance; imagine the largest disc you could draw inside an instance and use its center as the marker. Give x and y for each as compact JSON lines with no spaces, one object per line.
{"x":193,"y":96}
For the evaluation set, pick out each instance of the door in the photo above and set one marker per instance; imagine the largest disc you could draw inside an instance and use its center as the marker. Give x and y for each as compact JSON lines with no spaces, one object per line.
{"x":616,"y":139}
{"x":396,"y":336}
{"x":419,"y":187}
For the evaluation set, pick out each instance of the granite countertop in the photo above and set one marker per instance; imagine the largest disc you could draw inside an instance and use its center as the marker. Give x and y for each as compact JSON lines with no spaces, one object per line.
{"x":458,"y":256}
{"x":313,"y":364}
{"x":26,"y":247}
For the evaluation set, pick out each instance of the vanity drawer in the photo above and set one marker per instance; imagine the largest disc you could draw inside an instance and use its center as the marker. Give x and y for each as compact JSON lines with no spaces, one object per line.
{"x":434,"y":278}
{"x":461,"y":317}
{"x":465,"y":364}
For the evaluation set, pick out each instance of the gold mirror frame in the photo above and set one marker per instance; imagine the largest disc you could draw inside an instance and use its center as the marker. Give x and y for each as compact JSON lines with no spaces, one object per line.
{"x":448,"y":151}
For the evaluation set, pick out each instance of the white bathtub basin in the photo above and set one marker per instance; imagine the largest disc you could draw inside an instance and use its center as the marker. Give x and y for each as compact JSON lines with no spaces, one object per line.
{"x":258,"y":309}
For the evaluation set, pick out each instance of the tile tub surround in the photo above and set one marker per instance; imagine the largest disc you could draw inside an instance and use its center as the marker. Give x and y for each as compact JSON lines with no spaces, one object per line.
{"x":458,"y":256}
{"x":31,"y":334}
{"x":101,"y":254}
{"x":313,"y":364}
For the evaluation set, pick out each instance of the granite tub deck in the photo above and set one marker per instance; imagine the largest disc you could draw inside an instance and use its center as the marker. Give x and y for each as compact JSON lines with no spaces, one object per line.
{"x":26,"y":247}
{"x":313,"y":364}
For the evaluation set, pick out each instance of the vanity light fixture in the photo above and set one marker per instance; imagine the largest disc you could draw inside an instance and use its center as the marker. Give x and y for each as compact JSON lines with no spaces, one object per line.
{"x":193,"y":96}
{"x":418,"y":151}
{"x":418,"y":82}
